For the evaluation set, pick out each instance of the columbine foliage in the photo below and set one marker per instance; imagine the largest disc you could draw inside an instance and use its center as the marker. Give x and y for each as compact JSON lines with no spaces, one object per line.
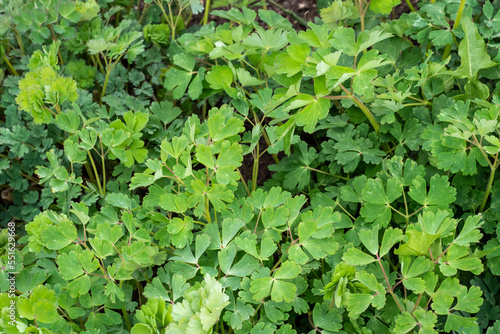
{"x":170,"y":177}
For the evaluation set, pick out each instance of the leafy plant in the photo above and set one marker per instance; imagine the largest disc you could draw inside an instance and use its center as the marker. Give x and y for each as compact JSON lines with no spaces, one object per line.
{"x":160,"y":176}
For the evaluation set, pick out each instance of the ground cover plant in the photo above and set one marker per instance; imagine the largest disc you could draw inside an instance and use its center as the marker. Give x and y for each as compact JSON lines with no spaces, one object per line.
{"x":175,"y":166}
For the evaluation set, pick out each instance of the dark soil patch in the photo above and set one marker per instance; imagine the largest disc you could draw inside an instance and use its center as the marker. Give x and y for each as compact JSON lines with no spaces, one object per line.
{"x":403,"y":8}
{"x":265,"y":161}
{"x":305,"y":9}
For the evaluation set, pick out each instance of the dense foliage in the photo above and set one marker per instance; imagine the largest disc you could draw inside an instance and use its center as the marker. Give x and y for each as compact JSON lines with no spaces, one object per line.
{"x":132,"y":140}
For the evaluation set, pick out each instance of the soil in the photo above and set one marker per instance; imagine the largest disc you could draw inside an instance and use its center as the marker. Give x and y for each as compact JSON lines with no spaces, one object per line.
{"x":265,"y":161}
{"x":403,"y":8}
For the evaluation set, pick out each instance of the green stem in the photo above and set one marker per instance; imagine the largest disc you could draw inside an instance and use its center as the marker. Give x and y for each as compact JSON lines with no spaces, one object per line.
{"x":244,"y":183}
{"x":129,"y":7}
{"x":457,"y":22}
{"x":207,"y":9}
{"x":360,"y":104}
{"x":12,"y":70}
{"x":103,"y":172}
{"x":146,"y":7}
{"x":367,"y":113}
{"x":410,"y":5}
{"x":359,"y":5}
{"x":19,"y":40}
{"x":289,"y":12}
{"x":95,"y":172}
{"x":417,"y":302}
{"x":326,"y":173}
{"x":255,"y":171}
{"x":103,"y":91}
{"x":268,"y":142}
{"x":488,"y":189}
{"x":89,"y":171}
{"x":127,"y":320}
{"x":99,"y":62}
{"x":389,"y":288}
{"x":207,"y":210}
{"x":108,"y":72}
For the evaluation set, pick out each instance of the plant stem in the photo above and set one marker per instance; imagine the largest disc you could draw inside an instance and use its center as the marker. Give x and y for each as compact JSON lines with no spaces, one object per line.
{"x":127,"y":320}
{"x":99,"y":62}
{"x":255,"y":171}
{"x":95,"y":172}
{"x":389,"y":289}
{"x":417,"y":302}
{"x":19,"y":40}
{"x":207,"y":9}
{"x":363,"y":108}
{"x":103,"y":171}
{"x":410,"y":5}
{"x":12,"y":70}
{"x":488,"y":189}
{"x":457,"y":22}
{"x":367,"y":113}
{"x":268,"y":142}
{"x":244,"y":183}
{"x":103,"y":91}
{"x":326,"y":173}
{"x":89,"y":171}
{"x":207,"y":210}
{"x":144,"y":10}
{"x":289,"y":12}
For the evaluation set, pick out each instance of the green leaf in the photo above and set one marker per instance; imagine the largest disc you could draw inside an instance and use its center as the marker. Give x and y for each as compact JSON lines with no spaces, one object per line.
{"x":221,"y":77}
{"x":240,"y":313}
{"x":357,"y":303}
{"x":327,"y":318}
{"x":391,"y":237}
{"x":309,"y":116}
{"x":283,"y":291}
{"x":180,"y":231}
{"x":469,"y":301}
{"x":378,"y":200}
{"x":120,"y":200}
{"x":472,"y":51}
{"x":383,"y":6}
{"x":66,"y":263}
{"x":261,"y":287}
{"x":442,"y":303}
{"x":266,"y":40}
{"x":288,"y":270}
{"x":57,"y":237}
{"x":220,"y":128}
{"x":455,"y":322}
{"x":457,"y":257}
{"x":356,"y":257}
{"x":246,"y":79}
{"x":369,"y":238}
{"x":204,"y":155}
{"x":174,"y":203}
{"x":470,"y":232}
{"x":45,"y":311}
{"x":404,"y":323}
{"x":69,"y":121}
{"x":178,"y":80}
{"x":440,"y":194}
